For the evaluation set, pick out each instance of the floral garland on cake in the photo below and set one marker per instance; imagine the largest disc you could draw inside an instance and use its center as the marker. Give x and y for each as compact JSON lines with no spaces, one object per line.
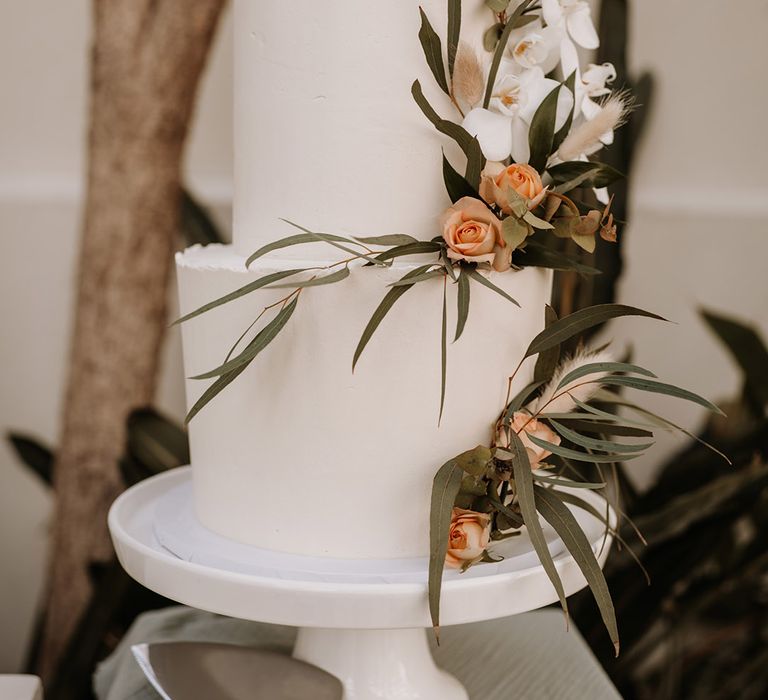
{"x":529,"y":179}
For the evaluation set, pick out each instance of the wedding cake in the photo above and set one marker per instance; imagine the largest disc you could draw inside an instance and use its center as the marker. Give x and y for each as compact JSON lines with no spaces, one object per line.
{"x":300,"y":454}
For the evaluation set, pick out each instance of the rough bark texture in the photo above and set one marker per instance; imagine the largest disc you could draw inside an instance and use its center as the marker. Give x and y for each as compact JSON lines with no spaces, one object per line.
{"x":146,"y":63}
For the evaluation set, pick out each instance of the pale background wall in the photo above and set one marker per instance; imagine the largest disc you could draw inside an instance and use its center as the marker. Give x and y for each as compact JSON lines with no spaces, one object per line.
{"x":698,"y":236}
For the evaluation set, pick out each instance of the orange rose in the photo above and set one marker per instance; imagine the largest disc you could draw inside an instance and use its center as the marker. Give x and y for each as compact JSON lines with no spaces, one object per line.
{"x":473,"y":233}
{"x":468,"y":538}
{"x":524,"y":425}
{"x":497,"y":179}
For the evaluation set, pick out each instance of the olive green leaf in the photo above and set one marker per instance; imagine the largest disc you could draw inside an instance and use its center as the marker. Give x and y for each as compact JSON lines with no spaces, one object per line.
{"x":433,"y":51}
{"x":557,"y":514}
{"x":417,"y":248}
{"x":595,"y":444}
{"x":475,"y":164}
{"x":601,"y":368}
{"x":463,"y":303}
{"x":577,"y":322}
{"x":445,"y":488}
{"x":383,"y":309}
{"x":482,"y":279}
{"x":334,"y":277}
{"x":547,"y":362}
{"x":559,"y":137}
{"x":521,"y":466}
{"x":514,"y":231}
{"x":537,"y":255}
{"x":390,"y":239}
{"x":655,"y":387}
{"x":298,"y":239}
{"x":454,"y":32}
{"x":214,"y":390}
{"x":242,"y":291}
{"x":456,"y":184}
{"x":263,"y":338}
{"x":443,"y":353}
{"x":580,"y":456}
{"x":475,"y":462}
{"x":542,"y":132}
{"x":569,"y":175}
{"x":458,"y":133}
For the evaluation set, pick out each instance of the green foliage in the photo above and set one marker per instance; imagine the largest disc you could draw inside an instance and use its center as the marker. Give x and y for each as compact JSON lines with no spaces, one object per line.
{"x":433,"y":51}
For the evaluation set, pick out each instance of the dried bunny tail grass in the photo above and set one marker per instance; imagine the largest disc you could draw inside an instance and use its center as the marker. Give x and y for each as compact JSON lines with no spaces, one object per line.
{"x":563,"y":400}
{"x":468,"y":83}
{"x":585,"y":138}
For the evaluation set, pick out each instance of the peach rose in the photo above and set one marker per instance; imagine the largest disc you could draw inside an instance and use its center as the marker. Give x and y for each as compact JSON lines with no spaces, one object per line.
{"x":468,"y":538}
{"x":497,"y":179}
{"x":524,"y":425}
{"x":473,"y":233}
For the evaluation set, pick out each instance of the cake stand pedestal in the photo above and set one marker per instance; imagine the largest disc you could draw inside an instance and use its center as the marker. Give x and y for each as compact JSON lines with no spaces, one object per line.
{"x":364,"y":622}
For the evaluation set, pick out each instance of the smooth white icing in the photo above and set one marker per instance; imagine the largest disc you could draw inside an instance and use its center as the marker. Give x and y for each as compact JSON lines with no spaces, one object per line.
{"x":326,"y":131}
{"x":301,"y":455}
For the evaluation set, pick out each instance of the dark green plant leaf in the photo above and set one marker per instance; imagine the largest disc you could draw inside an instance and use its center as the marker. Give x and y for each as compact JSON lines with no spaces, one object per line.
{"x":455,"y":183}
{"x":596,"y":444}
{"x":747,"y":348}
{"x":196,"y":224}
{"x":522,"y":398}
{"x":287,"y":242}
{"x":34,"y":455}
{"x":443,"y":353}
{"x":459,"y":134}
{"x":383,"y":309}
{"x":547,"y":362}
{"x":482,"y":279}
{"x":501,"y":48}
{"x":445,"y":488}
{"x":463,"y":303}
{"x":156,"y":443}
{"x":556,"y":513}
{"x":603,"y":367}
{"x":492,"y":36}
{"x":433,"y":51}
{"x":454,"y":32}
{"x":521,"y":466}
{"x":497,"y":6}
{"x":568,"y":483}
{"x":542,"y":132}
{"x":559,"y":137}
{"x":577,"y":456}
{"x":262,"y":339}
{"x":334,"y":277}
{"x":475,"y":164}
{"x":390,"y":239}
{"x":655,"y":387}
{"x":409,"y":249}
{"x":567,"y":176}
{"x":570,"y":326}
{"x":475,"y":462}
{"x":247,"y":289}
{"x":603,"y":427}
{"x":332,"y":240}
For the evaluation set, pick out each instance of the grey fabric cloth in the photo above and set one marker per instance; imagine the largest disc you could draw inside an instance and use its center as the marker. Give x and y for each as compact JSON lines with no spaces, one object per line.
{"x":527,"y":657}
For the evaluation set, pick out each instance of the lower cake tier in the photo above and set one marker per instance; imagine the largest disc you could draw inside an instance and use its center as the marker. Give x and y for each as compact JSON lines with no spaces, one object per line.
{"x":301,"y":455}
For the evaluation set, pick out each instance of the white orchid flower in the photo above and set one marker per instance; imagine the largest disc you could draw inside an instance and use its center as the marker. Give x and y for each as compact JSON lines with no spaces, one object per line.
{"x":502,"y":130}
{"x":593,"y":84}
{"x":535,"y":46}
{"x":575,"y":16}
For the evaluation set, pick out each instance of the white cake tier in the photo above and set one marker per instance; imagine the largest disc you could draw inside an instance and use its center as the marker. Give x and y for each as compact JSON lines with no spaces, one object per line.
{"x":326,"y":131}
{"x":299,"y":454}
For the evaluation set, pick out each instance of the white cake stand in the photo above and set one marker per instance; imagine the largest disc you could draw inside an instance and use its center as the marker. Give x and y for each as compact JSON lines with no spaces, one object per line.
{"x":362,"y":621}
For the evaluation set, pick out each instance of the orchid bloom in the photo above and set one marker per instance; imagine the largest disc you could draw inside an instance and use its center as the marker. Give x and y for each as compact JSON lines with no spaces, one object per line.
{"x":535,"y":46}
{"x":502,"y":129}
{"x":573,"y":20}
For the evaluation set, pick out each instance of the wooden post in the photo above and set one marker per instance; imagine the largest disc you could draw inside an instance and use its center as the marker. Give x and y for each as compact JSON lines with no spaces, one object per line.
{"x":147,"y":58}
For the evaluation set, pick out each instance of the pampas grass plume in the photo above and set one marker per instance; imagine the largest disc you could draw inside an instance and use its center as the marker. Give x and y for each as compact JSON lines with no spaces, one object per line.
{"x":468,"y":83}
{"x":585,"y":138}
{"x":577,"y":389}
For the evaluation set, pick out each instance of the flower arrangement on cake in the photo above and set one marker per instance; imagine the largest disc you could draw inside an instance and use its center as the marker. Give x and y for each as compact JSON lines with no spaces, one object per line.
{"x":528,"y":121}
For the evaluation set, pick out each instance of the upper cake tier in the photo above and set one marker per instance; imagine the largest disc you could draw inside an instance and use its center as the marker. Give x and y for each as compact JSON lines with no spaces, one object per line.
{"x":326,"y":131}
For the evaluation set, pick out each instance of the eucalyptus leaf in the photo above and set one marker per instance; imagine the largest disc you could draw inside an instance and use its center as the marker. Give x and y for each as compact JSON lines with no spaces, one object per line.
{"x":475,"y":462}
{"x":497,"y":6}
{"x":445,"y":488}
{"x":547,"y":362}
{"x":298,"y":239}
{"x":332,"y":240}
{"x":390,"y":239}
{"x":577,"y":456}
{"x":514,"y":231}
{"x":570,"y":326}
{"x":571,"y":174}
{"x":661,"y":388}
{"x":383,"y":309}
{"x":568,"y":483}
{"x":475,"y":164}
{"x":454,"y":32}
{"x":247,"y":289}
{"x":557,"y":514}
{"x":458,"y":133}
{"x":214,"y":390}
{"x":602,"y":427}
{"x":524,"y":486}
{"x":492,"y":36}
{"x":537,"y":255}
{"x":443,"y":353}
{"x":432,"y":274}
{"x":596,"y":444}
{"x":418,"y":248}
{"x":433,"y":51}
{"x":482,"y":279}
{"x":262,"y":339}
{"x":536,"y":222}
{"x":603,"y":368}
{"x":463,"y":297}
{"x":522,"y":398}
{"x":334,"y":277}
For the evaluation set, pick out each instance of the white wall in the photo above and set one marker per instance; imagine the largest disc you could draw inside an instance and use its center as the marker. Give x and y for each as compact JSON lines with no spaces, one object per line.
{"x":698,"y":234}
